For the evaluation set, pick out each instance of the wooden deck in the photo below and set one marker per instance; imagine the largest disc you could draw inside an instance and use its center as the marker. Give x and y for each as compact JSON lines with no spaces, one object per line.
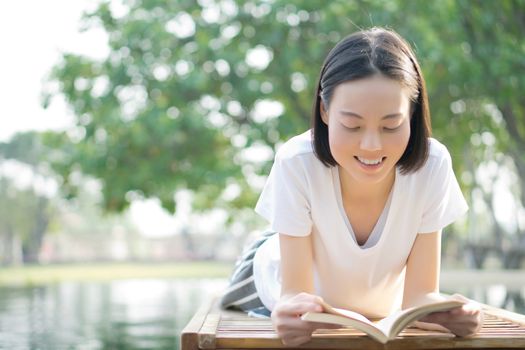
{"x":212,"y":328}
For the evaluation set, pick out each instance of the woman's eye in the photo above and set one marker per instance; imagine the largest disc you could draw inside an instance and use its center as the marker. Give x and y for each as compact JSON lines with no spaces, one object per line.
{"x":391,"y":129}
{"x":357,"y":128}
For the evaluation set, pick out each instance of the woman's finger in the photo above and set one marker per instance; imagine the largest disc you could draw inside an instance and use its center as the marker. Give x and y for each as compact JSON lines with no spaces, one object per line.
{"x":299,"y":308}
{"x":436,"y":317}
{"x":295,"y":324}
{"x":295,"y":340}
{"x":322,"y":325}
{"x":460,"y":297}
{"x":429,"y":326}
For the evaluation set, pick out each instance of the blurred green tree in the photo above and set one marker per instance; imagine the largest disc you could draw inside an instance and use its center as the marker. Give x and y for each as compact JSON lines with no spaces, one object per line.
{"x":476,"y":83}
{"x":189,"y":87}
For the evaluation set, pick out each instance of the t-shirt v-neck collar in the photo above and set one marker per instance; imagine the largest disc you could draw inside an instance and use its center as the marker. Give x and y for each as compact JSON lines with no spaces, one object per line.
{"x":377,"y":231}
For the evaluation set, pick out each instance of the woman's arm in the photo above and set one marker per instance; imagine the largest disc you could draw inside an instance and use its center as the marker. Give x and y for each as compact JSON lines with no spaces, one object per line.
{"x":422,"y":286}
{"x":422,"y":270}
{"x":296,"y":265}
{"x":297,"y":291}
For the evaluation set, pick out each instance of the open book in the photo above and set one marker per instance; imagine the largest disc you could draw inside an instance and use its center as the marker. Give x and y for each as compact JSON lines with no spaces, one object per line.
{"x":387,"y":328}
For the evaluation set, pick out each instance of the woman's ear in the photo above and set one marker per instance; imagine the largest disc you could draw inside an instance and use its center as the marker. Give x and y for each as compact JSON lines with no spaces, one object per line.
{"x":322,"y":111}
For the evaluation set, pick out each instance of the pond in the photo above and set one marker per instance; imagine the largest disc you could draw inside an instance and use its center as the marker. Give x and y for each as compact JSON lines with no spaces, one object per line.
{"x":122,"y":314}
{"x":131,"y":314}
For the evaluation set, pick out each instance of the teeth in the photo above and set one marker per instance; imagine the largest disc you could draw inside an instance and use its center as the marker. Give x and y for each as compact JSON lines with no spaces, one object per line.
{"x":370,"y":161}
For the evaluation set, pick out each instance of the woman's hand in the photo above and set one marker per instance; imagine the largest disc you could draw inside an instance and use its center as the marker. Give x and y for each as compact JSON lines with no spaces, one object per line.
{"x":462,"y":321}
{"x":286,"y":318}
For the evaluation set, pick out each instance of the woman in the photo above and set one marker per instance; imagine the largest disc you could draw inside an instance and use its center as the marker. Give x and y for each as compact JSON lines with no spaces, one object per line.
{"x":356,"y":205}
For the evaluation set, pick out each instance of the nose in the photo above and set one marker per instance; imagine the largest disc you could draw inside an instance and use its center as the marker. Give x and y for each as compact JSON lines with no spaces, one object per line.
{"x":371,"y":141}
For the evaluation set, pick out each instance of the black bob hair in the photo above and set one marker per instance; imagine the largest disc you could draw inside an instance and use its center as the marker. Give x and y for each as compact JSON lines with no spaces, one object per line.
{"x":364,"y":54}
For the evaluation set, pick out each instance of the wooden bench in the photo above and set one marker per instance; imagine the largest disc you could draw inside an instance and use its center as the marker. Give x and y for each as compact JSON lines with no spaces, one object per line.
{"x":213,"y":328}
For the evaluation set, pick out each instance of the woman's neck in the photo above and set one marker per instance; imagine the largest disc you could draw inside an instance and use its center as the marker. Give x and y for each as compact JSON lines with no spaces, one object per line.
{"x":354,"y":191}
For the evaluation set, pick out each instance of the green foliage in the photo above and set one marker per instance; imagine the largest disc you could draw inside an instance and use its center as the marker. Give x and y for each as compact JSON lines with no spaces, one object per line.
{"x":174,"y":104}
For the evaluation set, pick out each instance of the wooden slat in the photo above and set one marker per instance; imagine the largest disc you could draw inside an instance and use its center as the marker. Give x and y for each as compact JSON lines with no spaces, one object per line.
{"x":221,"y":329}
{"x":241,"y":332}
{"x":189,"y":339}
{"x":208,"y":331}
{"x":505,"y":314}
{"x":359,"y":343}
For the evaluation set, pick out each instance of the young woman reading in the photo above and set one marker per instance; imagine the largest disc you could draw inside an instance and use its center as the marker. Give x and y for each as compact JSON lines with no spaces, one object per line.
{"x":356,"y":204}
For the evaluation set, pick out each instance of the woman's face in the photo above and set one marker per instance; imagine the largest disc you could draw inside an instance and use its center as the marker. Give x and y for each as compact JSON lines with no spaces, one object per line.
{"x":368,"y":127}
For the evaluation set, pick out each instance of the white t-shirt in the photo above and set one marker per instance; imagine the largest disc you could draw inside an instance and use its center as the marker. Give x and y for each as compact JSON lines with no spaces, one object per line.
{"x":302,"y":196}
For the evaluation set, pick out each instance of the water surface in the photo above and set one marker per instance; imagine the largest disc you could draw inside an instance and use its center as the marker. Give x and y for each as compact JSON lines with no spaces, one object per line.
{"x":134,"y":314}
{"x":124,"y":314}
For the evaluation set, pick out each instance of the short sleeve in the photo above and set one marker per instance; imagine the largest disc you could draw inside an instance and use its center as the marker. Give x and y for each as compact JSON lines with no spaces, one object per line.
{"x":444,"y":202}
{"x":284,"y":200}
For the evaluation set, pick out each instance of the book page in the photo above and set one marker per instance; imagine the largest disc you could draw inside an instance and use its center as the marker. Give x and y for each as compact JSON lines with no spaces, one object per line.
{"x":345,"y":313}
{"x":350,"y":314}
{"x":387,"y":323}
{"x":405,"y":317}
{"x":359,"y":324}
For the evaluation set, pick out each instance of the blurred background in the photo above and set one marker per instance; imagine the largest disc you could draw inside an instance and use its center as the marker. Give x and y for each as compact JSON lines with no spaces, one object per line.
{"x":135,"y":137}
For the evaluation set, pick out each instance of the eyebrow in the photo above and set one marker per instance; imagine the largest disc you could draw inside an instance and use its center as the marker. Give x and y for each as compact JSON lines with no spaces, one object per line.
{"x":388,"y":116}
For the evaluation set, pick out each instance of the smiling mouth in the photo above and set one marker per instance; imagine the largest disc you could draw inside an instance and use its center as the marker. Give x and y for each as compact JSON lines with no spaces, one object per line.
{"x":370,"y":162}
